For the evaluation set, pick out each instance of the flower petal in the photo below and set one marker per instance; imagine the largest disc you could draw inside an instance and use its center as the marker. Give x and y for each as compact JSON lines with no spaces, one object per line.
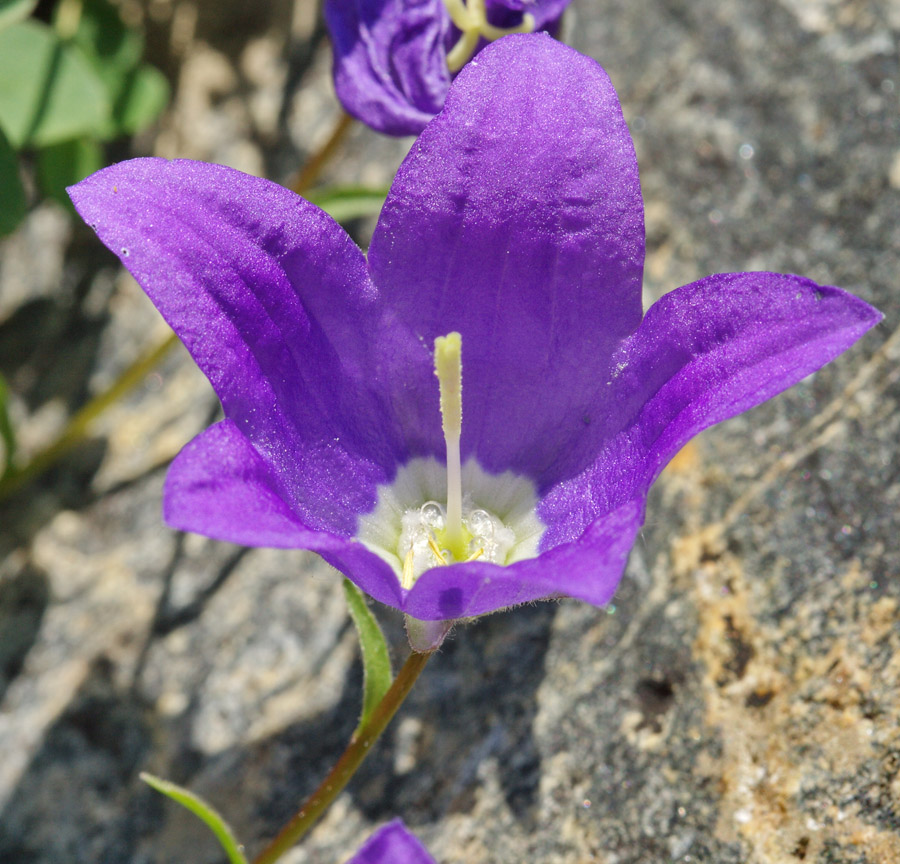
{"x":516,"y":219}
{"x":390,"y":64}
{"x":273,"y":301}
{"x":588,"y":569}
{"x":219,"y":486}
{"x":392,"y":844}
{"x":704,"y":353}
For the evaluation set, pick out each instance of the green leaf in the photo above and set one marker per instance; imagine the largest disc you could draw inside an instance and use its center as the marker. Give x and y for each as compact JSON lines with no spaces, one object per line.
{"x":142,"y":100}
{"x":101,"y":33}
{"x":14,"y":205}
{"x":13,"y":11}
{"x":377,"y":676}
{"x":344,"y":203}
{"x":202,"y":810}
{"x":64,"y":164}
{"x":48,"y":91}
{"x":137,"y":92}
{"x":7,"y":435}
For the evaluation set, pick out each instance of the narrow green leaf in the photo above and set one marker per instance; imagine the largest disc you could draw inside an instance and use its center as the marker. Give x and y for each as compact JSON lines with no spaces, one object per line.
{"x":48,"y":91}
{"x":202,"y":810}
{"x":344,"y":203}
{"x":13,"y":11}
{"x":64,"y":164}
{"x":377,"y":676}
{"x":12,"y":210}
{"x":7,"y":434}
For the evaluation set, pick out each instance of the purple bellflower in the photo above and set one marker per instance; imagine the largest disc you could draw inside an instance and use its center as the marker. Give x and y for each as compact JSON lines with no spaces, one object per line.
{"x":516,"y":221}
{"x":394,"y":59}
{"x":392,"y":844}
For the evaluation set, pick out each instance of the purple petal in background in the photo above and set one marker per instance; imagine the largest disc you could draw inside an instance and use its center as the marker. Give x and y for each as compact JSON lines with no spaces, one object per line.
{"x":390,"y":64}
{"x":392,"y":844}
{"x":508,"y":13}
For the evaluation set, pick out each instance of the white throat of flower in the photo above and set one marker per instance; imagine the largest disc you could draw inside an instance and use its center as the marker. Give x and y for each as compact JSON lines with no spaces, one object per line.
{"x":433,"y":515}
{"x":471,"y":19}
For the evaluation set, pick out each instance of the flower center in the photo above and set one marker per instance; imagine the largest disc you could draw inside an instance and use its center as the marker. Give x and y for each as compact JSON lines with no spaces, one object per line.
{"x":494,"y":519}
{"x":471,"y":19}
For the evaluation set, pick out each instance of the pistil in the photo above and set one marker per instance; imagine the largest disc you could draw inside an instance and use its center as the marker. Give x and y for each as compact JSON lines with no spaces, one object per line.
{"x":471,"y":19}
{"x":448,"y":368}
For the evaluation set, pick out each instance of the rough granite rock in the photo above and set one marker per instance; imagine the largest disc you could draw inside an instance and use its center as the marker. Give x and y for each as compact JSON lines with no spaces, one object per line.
{"x":737,"y":703}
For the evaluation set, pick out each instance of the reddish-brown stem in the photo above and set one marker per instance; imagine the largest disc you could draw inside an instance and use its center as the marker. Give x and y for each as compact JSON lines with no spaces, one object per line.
{"x":357,"y":750}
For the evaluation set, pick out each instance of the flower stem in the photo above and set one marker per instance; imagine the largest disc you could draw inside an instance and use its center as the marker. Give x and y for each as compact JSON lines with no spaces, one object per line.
{"x":80,"y":422}
{"x":313,"y":166}
{"x":357,"y":750}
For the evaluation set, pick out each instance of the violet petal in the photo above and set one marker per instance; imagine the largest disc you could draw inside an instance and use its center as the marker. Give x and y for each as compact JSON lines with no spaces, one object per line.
{"x":516,"y":219}
{"x":219,"y":486}
{"x":704,"y":353}
{"x":392,"y":844}
{"x":271,"y":297}
{"x":390,"y":64}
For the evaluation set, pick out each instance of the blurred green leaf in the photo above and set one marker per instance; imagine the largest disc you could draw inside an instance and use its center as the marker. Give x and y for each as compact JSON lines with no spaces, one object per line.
{"x":14,"y":205}
{"x":13,"y":11}
{"x":344,"y":203}
{"x":48,"y":91}
{"x":377,"y":676}
{"x":202,"y":810}
{"x":101,"y":33}
{"x":66,"y":163}
{"x":137,"y":92}
{"x":142,"y":100}
{"x":7,"y":435}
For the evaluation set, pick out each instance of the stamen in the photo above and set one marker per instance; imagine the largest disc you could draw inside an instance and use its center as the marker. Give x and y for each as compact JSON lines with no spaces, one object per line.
{"x":462,"y":51}
{"x":448,"y":368}
{"x":436,"y":552}
{"x":408,"y":577}
{"x":472,"y":21}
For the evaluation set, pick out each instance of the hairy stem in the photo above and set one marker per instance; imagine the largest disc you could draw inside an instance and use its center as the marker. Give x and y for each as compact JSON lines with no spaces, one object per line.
{"x":357,"y":750}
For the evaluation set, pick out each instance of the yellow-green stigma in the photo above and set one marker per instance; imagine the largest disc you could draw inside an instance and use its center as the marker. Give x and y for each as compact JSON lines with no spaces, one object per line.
{"x":448,"y":368}
{"x":471,"y":19}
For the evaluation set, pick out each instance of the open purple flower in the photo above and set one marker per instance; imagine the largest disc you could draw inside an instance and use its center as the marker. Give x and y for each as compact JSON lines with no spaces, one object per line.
{"x":394,"y":59}
{"x":516,"y":221}
{"x":392,"y":844}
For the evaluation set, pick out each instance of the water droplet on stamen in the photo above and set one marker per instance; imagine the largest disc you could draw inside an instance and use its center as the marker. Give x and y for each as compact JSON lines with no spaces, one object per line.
{"x":480,"y":524}
{"x":432,"y":515}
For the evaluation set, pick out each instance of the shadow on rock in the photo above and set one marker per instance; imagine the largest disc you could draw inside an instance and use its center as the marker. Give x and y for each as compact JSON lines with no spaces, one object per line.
{"x":75,"y":802}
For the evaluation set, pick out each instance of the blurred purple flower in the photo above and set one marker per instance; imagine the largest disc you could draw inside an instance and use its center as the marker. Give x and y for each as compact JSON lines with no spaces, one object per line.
{"x":394,"y":59}
{"x":516,"y":220}
{"x":392,"y":844}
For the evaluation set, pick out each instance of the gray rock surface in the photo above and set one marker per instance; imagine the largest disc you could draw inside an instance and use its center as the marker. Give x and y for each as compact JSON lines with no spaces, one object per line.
{"x":737,"y":703}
